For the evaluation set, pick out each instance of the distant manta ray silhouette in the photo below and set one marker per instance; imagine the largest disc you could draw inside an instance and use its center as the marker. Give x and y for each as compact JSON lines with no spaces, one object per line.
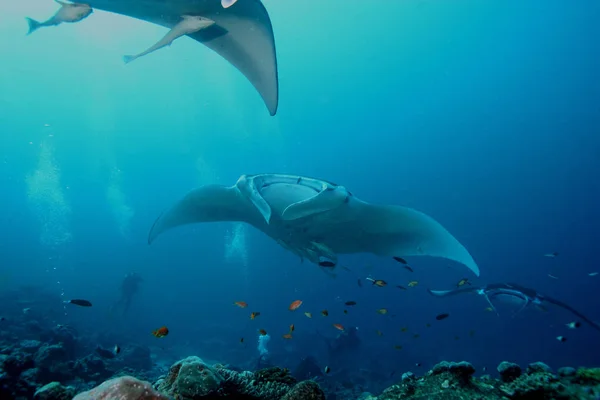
{"x":526,"y":296}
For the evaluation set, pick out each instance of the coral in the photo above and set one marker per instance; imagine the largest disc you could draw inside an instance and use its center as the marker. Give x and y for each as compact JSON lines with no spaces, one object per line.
{"x":446,"y":381}
{"x":191,"y":378}
{"x":17,"y":363}
{"x":509,"y":371}
{"x":566,"y":371}
{"x":54,"y":391}
{"x":275,"y":374}
{"x":538,"y":367}
{"x":137,"y":357}
{"x":306,"y":390}
{"x":588,"y":375}
{"x":91,"y":368}
{"x":245,"y":385}
{"x":307,"y":368}
{"x":123,"y":388}
{"x":539,"y":384}
{"x":30,"y":346}
{"x":47,"y":356}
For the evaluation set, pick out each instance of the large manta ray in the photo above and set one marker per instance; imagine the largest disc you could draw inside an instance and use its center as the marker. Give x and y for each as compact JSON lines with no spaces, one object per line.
{"x":316,"y":219}
{"x":242,"y":34}
{"x":514,"y":293}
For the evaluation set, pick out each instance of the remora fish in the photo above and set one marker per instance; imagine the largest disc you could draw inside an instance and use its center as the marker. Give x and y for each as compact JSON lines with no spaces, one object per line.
{"x":68,"y":12}
{"x":189,"y":24}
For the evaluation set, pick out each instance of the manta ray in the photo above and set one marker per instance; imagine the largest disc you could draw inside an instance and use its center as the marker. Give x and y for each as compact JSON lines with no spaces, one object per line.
{"x":316,"y":219}
{"x":514,"y":293}
{"x":242,"y":34}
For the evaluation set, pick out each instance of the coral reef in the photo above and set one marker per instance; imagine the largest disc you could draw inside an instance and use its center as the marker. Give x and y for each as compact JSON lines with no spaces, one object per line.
{"x":192,"y":378}
{"x":125,"y":388}
{"x":448,"y":381}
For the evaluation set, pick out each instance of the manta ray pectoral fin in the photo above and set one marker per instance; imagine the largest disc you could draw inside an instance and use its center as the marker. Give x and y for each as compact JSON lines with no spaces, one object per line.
{"x":328,"y":199}
{"x":402,"y":231}
{"x":209,"y":203}
{"x":242,"y":35}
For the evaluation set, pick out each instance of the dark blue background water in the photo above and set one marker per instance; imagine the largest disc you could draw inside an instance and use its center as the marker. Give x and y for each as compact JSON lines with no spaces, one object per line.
{"x":484,"y":115}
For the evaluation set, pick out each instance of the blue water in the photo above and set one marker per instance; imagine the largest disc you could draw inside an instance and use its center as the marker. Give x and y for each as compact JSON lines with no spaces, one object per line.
{"x":484,"y":115}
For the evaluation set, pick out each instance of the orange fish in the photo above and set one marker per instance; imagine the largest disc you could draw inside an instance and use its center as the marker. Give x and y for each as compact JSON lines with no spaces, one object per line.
{"x":338,"y":326}
{"x":262,"y":332}
{"x":161,"y":332}
{"x":254,"y":314}
{"x":292,"y":327}
{"x":295,"y":305}
{"x":287,"y":336}
{"x":324,"y":313}
{"x":241,"y":304}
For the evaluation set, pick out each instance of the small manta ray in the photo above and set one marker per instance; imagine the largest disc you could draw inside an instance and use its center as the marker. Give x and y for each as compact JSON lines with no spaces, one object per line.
{"x":68,"y":12}
{"x":190,"y":24}
{"x":316,"y":219}
{"x":511,"y":291}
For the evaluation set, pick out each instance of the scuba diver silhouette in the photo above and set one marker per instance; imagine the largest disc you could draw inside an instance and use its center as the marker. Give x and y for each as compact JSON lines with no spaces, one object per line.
{"x":129,"y":287}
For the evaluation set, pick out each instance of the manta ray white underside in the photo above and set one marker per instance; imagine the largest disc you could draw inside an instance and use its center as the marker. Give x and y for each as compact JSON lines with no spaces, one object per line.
{"x":316,"y":219}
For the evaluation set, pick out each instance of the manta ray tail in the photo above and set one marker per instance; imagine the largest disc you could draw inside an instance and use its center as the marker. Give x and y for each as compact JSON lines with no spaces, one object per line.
{"x":210,"y":203}
{"x":33,"y":25}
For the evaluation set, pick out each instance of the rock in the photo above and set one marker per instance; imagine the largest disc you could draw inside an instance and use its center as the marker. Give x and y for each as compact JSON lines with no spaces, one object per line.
{"x":440,"y":368}
{"x":407,"y":376}
{"x":462,"y":369}
{"x":123,"y":388}
{"x":47,"y":356}
{"x":307,"y":368}
{"x":305,"y":390}
{"x":567,"y":371}
{"x":137,"y":357}
{"x":537,"y":367}
{"x":191,"y":378}
{"x":17,"y":363}
{"x":509,"y":371}
{"x":30,"y":346}
{"x":54,"y":391}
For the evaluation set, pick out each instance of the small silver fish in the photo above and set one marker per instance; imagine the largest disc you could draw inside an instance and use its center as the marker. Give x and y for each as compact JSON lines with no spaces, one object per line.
{"x":593,"y":274}
{"x":561,"y":338}
{"x":551,"y":255}
{"x":573,"y":325}
{"x":26,"y":310}
{"x":552,"y":276}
